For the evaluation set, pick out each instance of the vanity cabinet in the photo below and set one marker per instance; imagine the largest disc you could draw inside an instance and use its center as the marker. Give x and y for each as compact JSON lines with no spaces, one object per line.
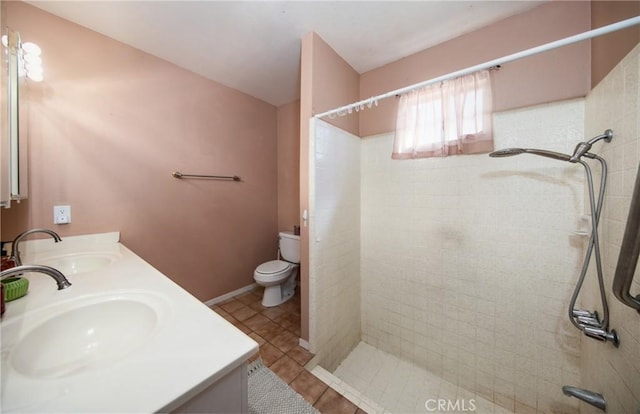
{"x":228,"y":395}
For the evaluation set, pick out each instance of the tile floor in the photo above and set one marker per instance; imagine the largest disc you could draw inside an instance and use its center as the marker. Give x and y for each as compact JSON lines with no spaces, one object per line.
{"x":277,"y":330}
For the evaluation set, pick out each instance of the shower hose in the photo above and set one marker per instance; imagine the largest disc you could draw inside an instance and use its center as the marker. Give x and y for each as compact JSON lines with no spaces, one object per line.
{"x":593,"y":247}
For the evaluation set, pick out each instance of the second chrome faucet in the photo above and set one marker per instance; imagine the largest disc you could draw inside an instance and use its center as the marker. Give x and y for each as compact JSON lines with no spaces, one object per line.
{"x":15,"y":252}
{"x":60,"y":279}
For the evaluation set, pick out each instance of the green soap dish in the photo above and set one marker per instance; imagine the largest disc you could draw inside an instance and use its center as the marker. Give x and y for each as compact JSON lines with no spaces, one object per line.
{"x":15,"y":288}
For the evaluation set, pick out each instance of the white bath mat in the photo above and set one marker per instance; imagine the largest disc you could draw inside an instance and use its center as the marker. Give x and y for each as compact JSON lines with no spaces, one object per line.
{"x":268,"y":394}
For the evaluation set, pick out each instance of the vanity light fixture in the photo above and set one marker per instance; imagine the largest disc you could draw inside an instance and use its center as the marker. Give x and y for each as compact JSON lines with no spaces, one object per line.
{"x":31,"y":62}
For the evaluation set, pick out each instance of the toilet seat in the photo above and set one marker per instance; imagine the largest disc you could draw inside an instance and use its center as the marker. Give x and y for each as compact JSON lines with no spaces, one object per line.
{"x":272,"y":267}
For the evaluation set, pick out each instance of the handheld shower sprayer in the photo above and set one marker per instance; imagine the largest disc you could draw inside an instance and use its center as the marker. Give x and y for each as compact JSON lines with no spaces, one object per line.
{"x":583,"y":147}
{"x":509,"y":152}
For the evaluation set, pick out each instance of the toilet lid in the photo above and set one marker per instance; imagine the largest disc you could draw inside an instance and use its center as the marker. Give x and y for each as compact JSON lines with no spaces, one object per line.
{"x":273,"y":266}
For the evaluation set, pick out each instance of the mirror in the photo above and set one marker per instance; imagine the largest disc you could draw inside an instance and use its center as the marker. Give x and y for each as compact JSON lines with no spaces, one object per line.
{"x":13,"y":150}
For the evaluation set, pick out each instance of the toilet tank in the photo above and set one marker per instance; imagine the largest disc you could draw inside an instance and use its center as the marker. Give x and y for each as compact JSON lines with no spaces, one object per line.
{"x":290,"y":246}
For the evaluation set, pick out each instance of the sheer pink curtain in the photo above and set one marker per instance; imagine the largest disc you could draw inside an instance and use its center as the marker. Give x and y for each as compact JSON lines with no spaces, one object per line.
{"x":453,"y":117}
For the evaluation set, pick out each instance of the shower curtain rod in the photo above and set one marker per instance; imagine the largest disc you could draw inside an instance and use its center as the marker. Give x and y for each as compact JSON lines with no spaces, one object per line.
{"x":343,"y":110}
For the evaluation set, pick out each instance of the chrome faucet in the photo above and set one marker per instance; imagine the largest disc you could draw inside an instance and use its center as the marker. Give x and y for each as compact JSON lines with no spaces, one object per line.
{"x":60,"y":279}
{"x":14,"y":245}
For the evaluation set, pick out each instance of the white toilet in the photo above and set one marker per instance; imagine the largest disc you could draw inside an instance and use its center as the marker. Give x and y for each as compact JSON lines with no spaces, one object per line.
{"x":279,"y":276}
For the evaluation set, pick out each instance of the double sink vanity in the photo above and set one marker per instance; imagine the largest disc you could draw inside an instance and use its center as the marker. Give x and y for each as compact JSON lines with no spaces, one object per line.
{"x":122,"y":338}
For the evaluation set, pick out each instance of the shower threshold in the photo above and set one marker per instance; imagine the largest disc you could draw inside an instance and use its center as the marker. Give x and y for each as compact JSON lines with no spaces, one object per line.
{"x":391,"y":385}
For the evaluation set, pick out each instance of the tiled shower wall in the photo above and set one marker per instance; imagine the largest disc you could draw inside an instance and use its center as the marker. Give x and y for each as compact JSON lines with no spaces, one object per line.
{"x":615,"y":103}
{"x":468,"y":262}
{"x":334,"y":274}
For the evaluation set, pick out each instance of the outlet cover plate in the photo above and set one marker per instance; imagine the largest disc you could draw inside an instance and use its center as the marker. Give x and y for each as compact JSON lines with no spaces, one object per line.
{"x":61,"y":214}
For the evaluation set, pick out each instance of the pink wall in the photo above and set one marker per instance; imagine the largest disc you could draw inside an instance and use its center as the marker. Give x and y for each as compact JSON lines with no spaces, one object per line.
{"x":551,"y":76}
{"x":108,"y":126}
{"x":608,"y":50}
{"x":289,"y":166}
{"x":327,"y":81}
{"x":334,"y":83}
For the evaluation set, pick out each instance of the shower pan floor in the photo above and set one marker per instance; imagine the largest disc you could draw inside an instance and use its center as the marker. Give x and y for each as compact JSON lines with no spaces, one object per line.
{"x":379,"y":382}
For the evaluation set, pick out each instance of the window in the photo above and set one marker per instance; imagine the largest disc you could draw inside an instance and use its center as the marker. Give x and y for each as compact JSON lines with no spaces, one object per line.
{"x":453,"y":117}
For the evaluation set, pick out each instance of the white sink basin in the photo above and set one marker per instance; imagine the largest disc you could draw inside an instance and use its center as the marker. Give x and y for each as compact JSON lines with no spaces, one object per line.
{"x":83,"y":334}
{"x":71,"y":264}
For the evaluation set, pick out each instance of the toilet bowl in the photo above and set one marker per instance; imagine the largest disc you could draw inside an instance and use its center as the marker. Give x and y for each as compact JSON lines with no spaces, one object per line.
{"x":279,"y":276}
{"x":279,"y":280}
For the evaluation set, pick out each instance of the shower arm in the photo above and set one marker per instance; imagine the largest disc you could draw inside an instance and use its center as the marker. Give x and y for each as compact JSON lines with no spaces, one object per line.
{"x":582,"y":148}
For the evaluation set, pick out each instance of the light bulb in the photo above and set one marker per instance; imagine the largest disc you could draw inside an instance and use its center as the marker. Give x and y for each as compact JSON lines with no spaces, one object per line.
{"x":33,"y":59}
{"x":31,"y":48}
{"x":32,"y":68}
{"x":5,"y":41}
{"x":36,"y":77}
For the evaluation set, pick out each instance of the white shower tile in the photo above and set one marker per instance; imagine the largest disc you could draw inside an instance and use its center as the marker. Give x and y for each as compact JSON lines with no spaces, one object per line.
{"x":431,"y":195}
{"x":335,"y":235}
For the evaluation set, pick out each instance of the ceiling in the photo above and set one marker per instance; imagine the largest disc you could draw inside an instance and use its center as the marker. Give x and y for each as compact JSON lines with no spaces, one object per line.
{"x":254,"y":46}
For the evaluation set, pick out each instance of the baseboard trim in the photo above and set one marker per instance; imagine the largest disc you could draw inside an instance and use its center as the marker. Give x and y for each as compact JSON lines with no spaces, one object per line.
{"x":229,"y":295}
{"x":303,"y":343}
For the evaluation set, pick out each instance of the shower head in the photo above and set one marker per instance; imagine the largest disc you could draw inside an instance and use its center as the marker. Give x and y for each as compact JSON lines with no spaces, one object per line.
{"x":543,"y":153}
{"x":583,"y":147}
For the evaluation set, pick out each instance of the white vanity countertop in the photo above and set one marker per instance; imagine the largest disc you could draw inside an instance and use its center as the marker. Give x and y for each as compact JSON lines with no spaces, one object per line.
{"x":191,"y":348}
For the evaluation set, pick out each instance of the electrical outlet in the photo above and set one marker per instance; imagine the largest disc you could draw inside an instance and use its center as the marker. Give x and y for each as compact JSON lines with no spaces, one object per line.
{"x":61,"y":214}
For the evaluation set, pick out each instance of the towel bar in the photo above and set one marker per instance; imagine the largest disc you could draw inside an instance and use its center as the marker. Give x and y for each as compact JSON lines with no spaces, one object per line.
{"x":178,"y":174}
